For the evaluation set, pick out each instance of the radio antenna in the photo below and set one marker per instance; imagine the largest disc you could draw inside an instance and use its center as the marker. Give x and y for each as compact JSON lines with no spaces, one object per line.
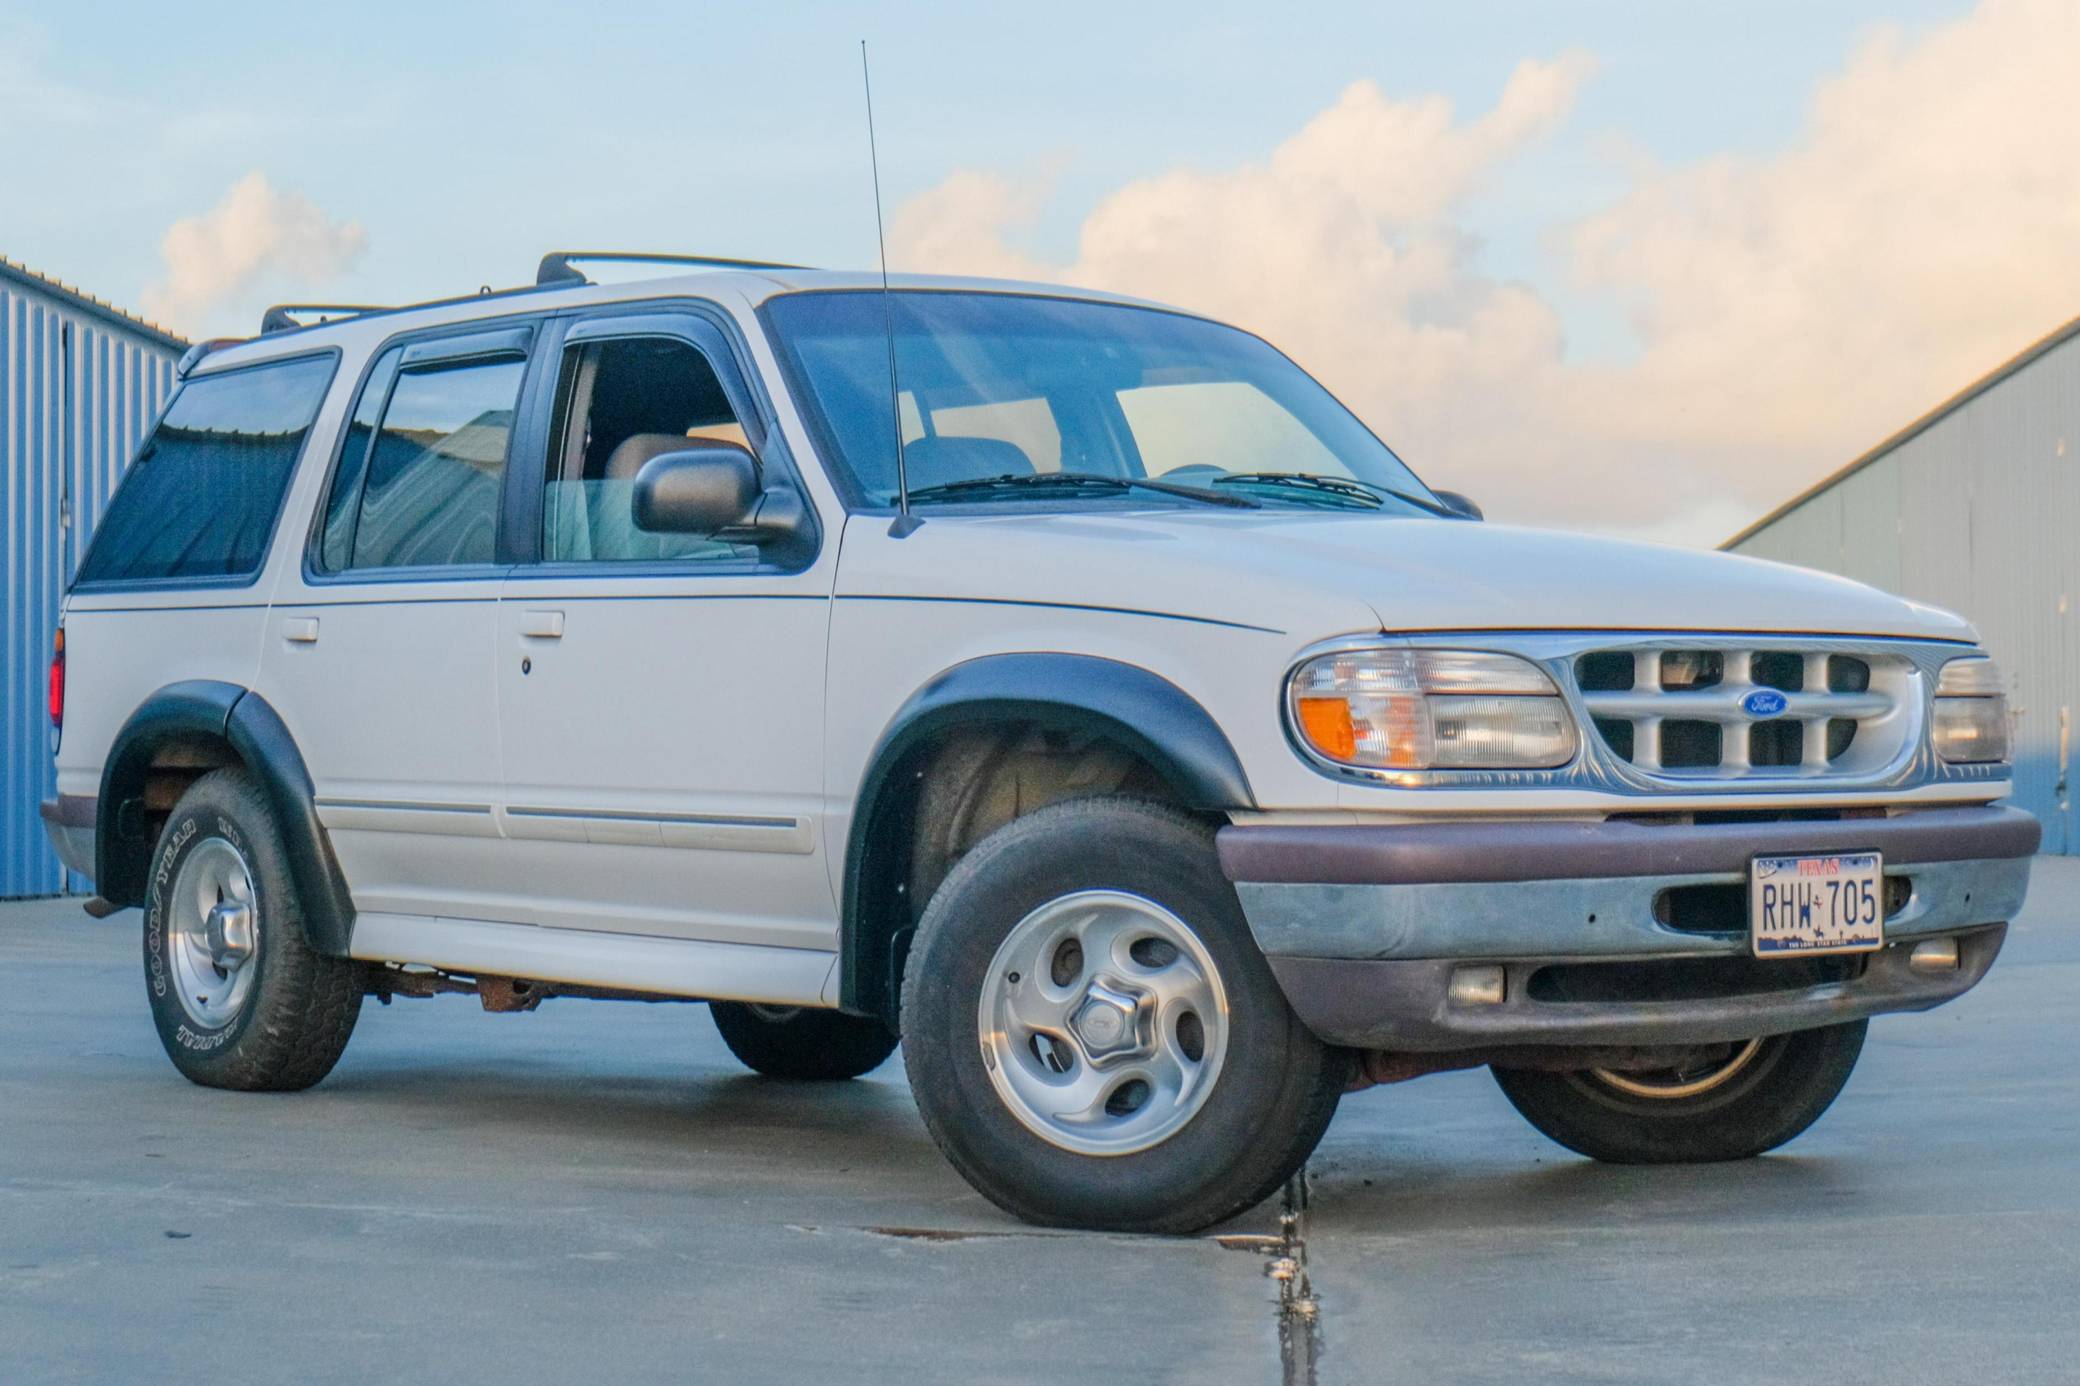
{"x":905,"y":523}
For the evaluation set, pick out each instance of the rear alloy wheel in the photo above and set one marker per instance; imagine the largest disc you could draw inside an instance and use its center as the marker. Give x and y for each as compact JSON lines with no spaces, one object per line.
{"x":1093,"y":1037}
{"x":240,"y":998}
{"x":1733,"y":1101}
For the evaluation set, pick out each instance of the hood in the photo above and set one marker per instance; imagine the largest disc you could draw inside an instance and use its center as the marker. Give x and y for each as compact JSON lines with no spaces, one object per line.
{"x":1314,"y":575}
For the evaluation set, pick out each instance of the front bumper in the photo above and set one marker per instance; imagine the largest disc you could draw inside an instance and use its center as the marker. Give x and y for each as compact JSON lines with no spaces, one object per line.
{"x":1607,"y":932}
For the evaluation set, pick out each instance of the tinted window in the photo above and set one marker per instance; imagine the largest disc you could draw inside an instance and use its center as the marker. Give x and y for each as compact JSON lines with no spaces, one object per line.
{"x":343,"y":505}
{"x":431,"y":493}
{"x":201,"y":499}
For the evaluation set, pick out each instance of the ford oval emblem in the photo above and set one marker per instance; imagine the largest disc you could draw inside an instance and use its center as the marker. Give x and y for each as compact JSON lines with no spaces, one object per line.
{"x":1765,"y":702}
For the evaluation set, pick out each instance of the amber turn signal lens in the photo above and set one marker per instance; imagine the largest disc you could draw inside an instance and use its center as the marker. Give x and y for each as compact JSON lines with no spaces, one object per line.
{"x":1326,"y":723}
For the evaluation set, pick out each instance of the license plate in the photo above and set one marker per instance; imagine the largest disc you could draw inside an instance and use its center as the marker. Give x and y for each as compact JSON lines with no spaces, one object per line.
{"x":1799,"y":906}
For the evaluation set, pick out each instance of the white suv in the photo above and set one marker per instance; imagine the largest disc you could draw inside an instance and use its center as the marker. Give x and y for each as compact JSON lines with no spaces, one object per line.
{"x":1138,"y":738}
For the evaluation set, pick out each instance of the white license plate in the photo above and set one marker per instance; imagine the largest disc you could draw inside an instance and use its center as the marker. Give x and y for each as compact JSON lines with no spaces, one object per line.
{"x":1798,"y":906}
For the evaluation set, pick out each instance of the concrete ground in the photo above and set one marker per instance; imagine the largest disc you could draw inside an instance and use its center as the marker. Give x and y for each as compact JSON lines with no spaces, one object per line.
{"x":596,"y":1192}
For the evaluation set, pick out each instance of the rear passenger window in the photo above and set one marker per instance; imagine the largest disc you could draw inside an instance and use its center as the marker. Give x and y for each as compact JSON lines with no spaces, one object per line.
{"x":429,"y":483}
{"x":200,"y":500}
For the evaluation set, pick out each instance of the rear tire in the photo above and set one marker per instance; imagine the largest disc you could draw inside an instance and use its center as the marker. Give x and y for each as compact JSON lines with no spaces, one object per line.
{"x":1755,"y":1098}
{"x":240,"y":998}
{"x":1194,"y":1099}
{"x":801,"y":1042}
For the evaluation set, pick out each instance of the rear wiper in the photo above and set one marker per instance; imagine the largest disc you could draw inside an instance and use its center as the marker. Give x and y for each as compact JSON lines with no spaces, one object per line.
{"x":1027,"y":481}
{"x":1336,"y":486}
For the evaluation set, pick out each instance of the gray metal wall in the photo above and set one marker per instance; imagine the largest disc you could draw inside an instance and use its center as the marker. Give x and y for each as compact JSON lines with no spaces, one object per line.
{"x":79,"y":386}
{"x":1973,"y":509}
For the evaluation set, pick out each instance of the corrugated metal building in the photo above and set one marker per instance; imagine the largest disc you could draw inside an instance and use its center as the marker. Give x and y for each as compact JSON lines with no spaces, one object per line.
{"x":80,"y":382}
{"x":1971,"y":507}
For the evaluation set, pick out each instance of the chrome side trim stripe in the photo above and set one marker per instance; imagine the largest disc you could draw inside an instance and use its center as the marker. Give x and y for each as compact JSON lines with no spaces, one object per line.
{"x":712,"y":832}
{"x":402,"y":806}
{"x":408,"y":816}
{"x":709,"y":819}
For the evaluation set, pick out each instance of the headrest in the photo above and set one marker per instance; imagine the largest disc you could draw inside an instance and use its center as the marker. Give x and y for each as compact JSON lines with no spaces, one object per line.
{"x":628,"y":458}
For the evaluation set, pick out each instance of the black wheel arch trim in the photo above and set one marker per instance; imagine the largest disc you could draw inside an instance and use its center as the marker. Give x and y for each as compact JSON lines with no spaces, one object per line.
{"x":256,"y":733}
{"x":1144,"y":712}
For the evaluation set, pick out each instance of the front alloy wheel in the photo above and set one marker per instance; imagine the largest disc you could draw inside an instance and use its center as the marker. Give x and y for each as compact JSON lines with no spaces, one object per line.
{"x":1093,"y":1037}
{"x":1103,"y":1022}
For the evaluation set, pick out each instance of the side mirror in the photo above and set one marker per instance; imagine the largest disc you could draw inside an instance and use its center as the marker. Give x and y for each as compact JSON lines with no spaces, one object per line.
{"x":699,"y":490}
{"x":1459,"y":505}
{"x":715,"y":489}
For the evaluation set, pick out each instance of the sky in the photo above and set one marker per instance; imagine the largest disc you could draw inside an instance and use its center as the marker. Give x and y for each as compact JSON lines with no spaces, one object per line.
{"x":1640,"y":268}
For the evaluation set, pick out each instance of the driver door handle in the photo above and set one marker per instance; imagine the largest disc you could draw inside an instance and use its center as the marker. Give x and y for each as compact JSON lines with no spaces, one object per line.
{"x":542,"y":625}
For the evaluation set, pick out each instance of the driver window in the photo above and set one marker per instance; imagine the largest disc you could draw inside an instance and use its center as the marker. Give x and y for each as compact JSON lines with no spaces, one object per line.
{"x":620,"y":404}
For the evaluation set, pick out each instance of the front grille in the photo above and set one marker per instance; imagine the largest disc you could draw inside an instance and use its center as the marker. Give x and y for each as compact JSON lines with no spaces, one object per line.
{"x":1717,"y":712}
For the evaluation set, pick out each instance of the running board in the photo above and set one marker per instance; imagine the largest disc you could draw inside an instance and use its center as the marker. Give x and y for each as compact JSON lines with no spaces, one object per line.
{"x":586,"y":957}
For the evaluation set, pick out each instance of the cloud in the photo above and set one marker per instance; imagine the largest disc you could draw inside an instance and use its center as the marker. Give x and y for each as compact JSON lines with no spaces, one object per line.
{"x":1921,"y":228}
{"x":1788,"y":310}
{"x":256,"y":238}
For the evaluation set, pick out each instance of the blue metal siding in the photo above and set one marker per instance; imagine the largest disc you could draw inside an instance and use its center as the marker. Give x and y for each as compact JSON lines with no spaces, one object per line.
{"x":1972,"y":509}
{"x":78,"y":390}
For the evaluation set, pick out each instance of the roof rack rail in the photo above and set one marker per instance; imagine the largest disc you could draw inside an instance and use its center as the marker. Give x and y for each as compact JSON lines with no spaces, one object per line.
{"x":556,"y":266}
{"x":283,"y":316}
{"x":194,"y":355}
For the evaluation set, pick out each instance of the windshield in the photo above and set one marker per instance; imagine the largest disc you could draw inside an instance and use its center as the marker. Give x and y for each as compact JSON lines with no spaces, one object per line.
{"x":1019,"y":386}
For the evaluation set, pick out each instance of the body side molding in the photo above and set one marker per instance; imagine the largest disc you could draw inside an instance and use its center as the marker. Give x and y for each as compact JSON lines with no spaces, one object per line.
{"x":1146,"y":713}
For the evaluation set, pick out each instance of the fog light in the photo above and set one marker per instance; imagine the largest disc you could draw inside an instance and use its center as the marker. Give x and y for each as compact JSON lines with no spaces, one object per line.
{"x":1477,"y":986}
{"x":1934,"y":955}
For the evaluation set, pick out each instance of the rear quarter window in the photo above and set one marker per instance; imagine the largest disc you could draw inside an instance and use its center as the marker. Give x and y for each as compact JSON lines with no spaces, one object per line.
{"x":199,"y":503}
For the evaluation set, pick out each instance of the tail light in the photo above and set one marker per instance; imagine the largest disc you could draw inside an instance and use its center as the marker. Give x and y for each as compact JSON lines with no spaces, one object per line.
{"x":58,"y":688}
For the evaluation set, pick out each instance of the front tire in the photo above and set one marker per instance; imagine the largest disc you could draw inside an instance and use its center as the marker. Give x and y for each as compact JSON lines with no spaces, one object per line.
{"x":1754,"y":1097}
{"x":239,"y":997}
{"x":801,"y":1042}
{"x":1092,"y":1036}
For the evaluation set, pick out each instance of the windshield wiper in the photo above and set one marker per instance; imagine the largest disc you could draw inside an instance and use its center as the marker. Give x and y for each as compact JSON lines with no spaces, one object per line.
{"x":1075,"y":481}
{"x":1344,"y":486}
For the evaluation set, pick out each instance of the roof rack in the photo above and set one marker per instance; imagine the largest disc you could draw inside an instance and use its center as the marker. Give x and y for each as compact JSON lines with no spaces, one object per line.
{"x":556,"y":266}
{"x":194,"y":355}
{"x":283,"y":316}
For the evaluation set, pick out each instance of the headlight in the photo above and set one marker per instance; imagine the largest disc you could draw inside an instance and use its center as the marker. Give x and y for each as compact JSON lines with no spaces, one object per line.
{"x":1400,"y":709}
{"x":1971,"y":712}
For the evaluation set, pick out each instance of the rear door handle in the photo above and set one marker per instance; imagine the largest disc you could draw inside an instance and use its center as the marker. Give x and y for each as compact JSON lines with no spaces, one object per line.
{"x":300,"y":630}
{"x":542,"y":625}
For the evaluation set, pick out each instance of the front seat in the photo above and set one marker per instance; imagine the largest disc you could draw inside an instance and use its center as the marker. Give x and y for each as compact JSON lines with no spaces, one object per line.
{"x":632,"y":452}
{"x":614,"y":531}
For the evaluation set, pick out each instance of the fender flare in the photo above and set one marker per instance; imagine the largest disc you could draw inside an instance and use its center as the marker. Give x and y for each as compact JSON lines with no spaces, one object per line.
{"x":255,"y":732}
{"x":1144,"y":712}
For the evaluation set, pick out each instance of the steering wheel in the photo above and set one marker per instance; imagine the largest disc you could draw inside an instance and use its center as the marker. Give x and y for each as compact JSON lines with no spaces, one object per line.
{"x":1194,"y":474}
